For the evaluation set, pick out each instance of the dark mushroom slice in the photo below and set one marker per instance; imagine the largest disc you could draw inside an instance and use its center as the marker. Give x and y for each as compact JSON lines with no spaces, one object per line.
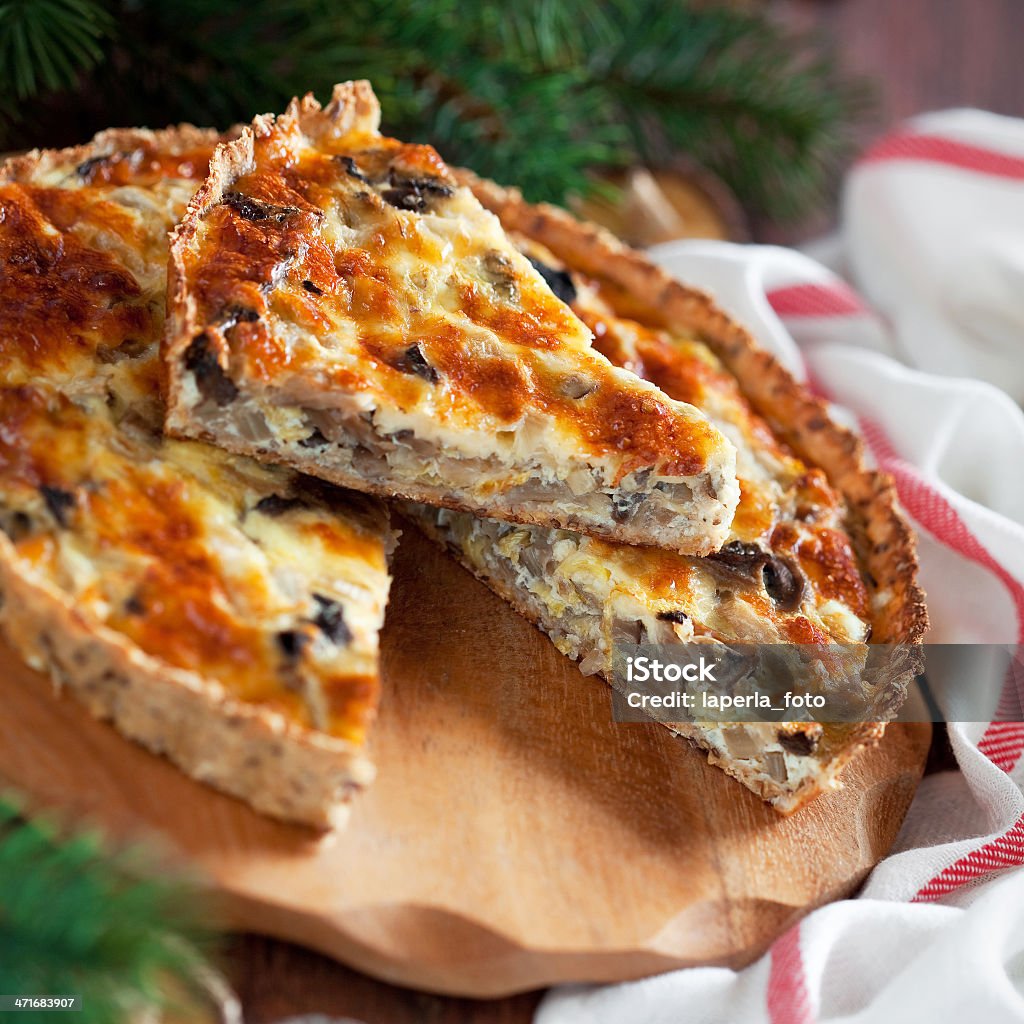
{"x":16,"y":524}
{"x":59,"y":502}
{"x":86,"y":170}
{"x":292,"y":643}
{"x":276,"y":505}
{"x":624,"y":506}
{"x":783,"y":582}
{"x":352,"y":168}
{"x":256,"y":210}
{"x":675,"y":615}
{"x":415,"y":194}
{"x":798,"y":743}
{"x":211,"y":380}
{"x":315,"y":440}
{"x":331,"y":620}
{"x":559,"y":281}
{"x":741,"y":556}
{"x":238,"y":315}
{"x":781,"y":579}
{"x":414,"y":361}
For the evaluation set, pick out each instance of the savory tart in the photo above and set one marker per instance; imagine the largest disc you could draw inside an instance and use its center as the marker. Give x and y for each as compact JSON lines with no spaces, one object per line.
{"x":341,"y":304}
{"x":223,"y":613}
{"x":818,"y":552}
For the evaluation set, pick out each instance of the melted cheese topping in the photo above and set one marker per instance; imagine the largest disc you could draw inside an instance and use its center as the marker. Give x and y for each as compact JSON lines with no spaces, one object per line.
{"x":349,"y":270}
{"x":786,"y":507}
{"x":268,"y":586}
{"x":84,"y":251}
{"x":788,"y":573}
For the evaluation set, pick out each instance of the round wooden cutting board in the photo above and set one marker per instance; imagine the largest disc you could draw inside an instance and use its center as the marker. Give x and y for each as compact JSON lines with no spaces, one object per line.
{"x":515,"y":836}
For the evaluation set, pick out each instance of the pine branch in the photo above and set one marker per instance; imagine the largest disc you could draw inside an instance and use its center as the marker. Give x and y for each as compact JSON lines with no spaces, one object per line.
{"x":77,"y":919}
{"x":734,"y":91}
{"x":45,"y":43}
{"x":538,"y":92}
{"x":491,"y":84}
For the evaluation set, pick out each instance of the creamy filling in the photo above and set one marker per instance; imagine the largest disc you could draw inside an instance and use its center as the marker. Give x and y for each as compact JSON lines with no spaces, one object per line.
{"x":584,"y":623}
{"x":349,"y":443}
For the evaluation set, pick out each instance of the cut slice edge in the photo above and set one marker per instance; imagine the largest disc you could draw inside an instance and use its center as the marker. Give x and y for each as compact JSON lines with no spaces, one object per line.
{"x":280,"y":769}
{"x":880,"y":529}
{"x":274,"y":759}
{"x":682,"y":497}
{"x":881,"y":532}
{"x":787,"y":764}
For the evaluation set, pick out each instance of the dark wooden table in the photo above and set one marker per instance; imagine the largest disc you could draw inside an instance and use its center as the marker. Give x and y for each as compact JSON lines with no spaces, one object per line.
{"x":922,"y":55}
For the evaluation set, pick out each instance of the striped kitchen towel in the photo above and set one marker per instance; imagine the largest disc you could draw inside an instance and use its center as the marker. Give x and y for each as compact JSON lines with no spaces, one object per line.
{"x":917,"y":335}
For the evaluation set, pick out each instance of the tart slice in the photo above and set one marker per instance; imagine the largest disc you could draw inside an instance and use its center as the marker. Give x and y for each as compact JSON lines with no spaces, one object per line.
{"x":340,"y":304}
{"x":220,"y":612}
{"x":818,"y":554}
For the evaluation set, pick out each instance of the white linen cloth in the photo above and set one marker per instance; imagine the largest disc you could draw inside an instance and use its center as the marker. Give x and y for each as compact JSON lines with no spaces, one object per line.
{"x":932,"y":244}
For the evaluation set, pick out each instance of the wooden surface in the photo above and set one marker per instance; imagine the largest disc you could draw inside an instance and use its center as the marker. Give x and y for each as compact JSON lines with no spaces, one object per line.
{"x":920,"y":55}
{"x":516,"y":836}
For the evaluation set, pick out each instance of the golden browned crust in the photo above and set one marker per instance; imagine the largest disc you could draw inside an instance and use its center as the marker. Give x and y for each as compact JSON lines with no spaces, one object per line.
{"x":350,"y":102}
{"x":885,"y":542}
{"x":176,"y":137}
{"x":679,"y":465}
{"x":279,"y":768}
{"x":832,"y":746}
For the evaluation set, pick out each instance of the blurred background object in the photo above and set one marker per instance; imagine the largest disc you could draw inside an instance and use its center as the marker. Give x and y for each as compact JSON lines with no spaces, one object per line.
{"x":548,"y":94}
{"x":646,"y":206}
{"x":79,"y":918}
